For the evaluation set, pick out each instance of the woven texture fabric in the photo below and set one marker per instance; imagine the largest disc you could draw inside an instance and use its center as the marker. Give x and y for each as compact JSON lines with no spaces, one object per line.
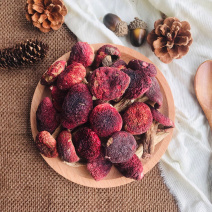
{"x":27,"y":183}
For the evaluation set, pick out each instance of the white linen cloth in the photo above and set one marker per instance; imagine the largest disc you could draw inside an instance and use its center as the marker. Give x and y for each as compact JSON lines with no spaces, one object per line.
{"x":185,"y":166}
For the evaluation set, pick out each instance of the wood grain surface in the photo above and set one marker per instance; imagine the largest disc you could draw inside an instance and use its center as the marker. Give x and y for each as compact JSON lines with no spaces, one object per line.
{"x":203,"y":88}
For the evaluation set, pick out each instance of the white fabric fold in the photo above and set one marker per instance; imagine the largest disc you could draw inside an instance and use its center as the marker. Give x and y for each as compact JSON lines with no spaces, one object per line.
{"x":186,"y":165}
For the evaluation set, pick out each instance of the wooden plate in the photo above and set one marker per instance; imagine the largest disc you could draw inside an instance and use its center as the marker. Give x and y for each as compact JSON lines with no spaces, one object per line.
{"x":80,"y":174}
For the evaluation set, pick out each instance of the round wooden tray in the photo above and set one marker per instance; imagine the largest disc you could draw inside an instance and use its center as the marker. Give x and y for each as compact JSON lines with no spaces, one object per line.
{"x":80,"y":174}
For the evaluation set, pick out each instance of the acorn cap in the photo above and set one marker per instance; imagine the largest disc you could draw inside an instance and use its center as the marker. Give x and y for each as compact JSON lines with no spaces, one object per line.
{"x":121,"y":29}
{"x":137,"y":24}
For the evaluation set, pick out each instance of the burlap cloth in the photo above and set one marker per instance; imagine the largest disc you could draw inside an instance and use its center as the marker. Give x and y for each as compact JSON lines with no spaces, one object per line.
{"x":27,"y":183}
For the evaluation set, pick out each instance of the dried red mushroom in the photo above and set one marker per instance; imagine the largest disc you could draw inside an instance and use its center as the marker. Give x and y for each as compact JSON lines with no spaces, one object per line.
{"x":46,"y":116}
{"x":139,"y":84}
{"x":58,"y":97}
{"x":133,"y":168}
{"x":53,"y":72}
{"x":147,"y":68}
{"x":82,"y":53}
{"x":72,"y":75}
{"x":120,"y":147}
{"x":87,"y":143}
{"x":154,"y":94}
{"x":120,"y":64}
{"x":76,"y":106}
{"x":108,"y":83}
{"x":99,"y":167}
{"x":105,"y":120}
{"x":149,"y":136}
{"x":137,"y":118}
{"x":65,"y":147}
{"x":46,"y":144}
{"x":106,"y":56}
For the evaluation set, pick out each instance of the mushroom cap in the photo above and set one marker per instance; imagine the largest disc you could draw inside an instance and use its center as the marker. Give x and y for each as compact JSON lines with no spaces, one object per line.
{"x":105,"y":120}
{"x":46,"y":116}
{"x":147,"y":68}
{"x":65,"y":147}
{"x":46,"y":144}
{"x":72,"y":75}
{"x":120,"y":64}
{"x":87,"y":143}
{"x":120,"y":147}
{"x":82,"y":53}
{"x":100,"y":166}
{"x":108,"y":83}
{"x":133,"y":168}
{"x":160,"y":118}
{"x":154,"y":94}
{"x":76,"y":107}
{"x":137,"y":118}
{"x":139,"y":83}
{"x":106,"y":50}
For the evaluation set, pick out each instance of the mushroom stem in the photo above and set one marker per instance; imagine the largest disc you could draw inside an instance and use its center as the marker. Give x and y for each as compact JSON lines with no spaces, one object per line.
{"x":124,"y":103}
{"x":159,"y":136}
{"x":148,"y":142}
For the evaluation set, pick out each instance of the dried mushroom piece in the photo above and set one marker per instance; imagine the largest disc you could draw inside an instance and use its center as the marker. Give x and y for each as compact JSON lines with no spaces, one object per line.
{"x":105,"y":120}
{"x":65,"y":147}
{"x":149,"y":137}
{"x":107,"y":83}
{"x":100,"y":166}
{"x":137,"y":118}
{"x":120,"y":147}
{"x":106,"y":56}
{"x":138,"y":86}
{"x":87,"y":143}
{"x":133,"y":168}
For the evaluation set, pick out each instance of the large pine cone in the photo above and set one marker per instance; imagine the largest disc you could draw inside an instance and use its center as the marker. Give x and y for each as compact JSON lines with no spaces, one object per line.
{"x":46,"y":14}
{"x":170,"y":39}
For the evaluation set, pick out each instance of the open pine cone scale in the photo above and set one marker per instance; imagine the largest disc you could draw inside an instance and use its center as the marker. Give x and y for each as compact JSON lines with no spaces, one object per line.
{"x":170,"y":39}
{"x":46,"y":14}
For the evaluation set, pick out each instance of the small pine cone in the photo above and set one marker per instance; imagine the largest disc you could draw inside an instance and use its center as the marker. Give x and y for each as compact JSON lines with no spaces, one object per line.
{"x":170,"y":39}
{"x":46,"y":14}
{"x":24,"y":53}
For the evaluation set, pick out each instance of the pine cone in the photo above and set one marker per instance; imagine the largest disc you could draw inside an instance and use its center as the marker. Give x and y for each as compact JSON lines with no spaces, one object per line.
{"x":170,"y":39}
{"x":46,"y":14}
{"x":24,"y":53}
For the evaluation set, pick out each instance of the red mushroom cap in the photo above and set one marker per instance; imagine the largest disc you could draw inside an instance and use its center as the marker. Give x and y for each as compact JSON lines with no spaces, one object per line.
{"x":147,"y":68}
{"x":99,"y":167}
{"x":108,"y":83}
{"x":105,"y":120}
{"x":107,"y":50}
{"x":46,"y":144}
{"x":133,"y":168}
{"x":87,"y":143}
{"x":76,"y":106}
{"x":72,"y":75}
{"x":154,"y":94}
{"x":137,"y":118}
{"x":120,"y":147}
{"x":46,"y":116}
{"x":120,"y":64}
{"x":53,"y":72}
{"x":82,"y":53}
{"x":58,"y":97}
{"x":66,"y":148}
{"x":162,"y":119}
{"x":139,"y":84}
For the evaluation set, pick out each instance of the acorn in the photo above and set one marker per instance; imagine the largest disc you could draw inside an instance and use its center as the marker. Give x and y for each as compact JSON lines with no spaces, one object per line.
{"x":137,"y":32}
{"x":115,"y":24}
